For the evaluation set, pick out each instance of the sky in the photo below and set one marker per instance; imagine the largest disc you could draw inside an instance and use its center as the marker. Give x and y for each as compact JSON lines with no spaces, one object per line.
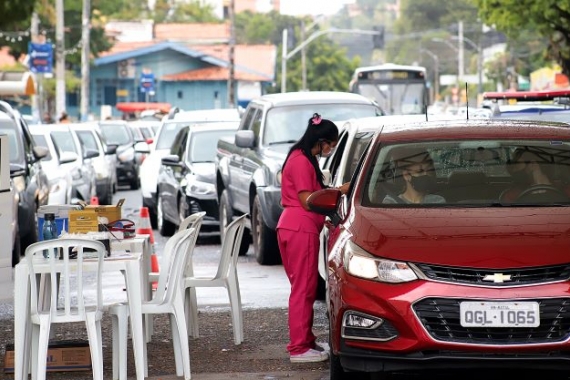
{"x":312,"y":7}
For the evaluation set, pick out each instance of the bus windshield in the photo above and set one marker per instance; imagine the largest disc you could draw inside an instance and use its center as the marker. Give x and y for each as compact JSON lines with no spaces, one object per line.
{"x":396,"y":98}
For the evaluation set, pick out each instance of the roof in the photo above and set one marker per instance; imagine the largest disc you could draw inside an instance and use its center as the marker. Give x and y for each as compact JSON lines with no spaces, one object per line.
{"x":313,"y":97}
{"x":197,"y":116}
{"x":472,"y":129}
{"x":217,"y":126}
{"x":192,"y":31}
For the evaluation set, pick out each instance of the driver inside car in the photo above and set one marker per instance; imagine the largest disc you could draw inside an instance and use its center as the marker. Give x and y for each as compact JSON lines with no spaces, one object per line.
{"x":531,"y":175}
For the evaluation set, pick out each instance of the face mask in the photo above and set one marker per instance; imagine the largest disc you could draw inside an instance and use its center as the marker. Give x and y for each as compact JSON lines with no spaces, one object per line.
{"x":424,"y":183}
{"x":330,"y":152}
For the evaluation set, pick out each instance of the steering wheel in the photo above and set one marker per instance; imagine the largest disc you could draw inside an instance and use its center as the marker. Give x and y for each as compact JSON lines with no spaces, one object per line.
{"x":550,"y":192}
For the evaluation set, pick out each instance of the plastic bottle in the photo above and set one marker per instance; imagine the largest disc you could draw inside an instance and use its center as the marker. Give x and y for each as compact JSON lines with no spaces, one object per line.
{"x":49,"y":230}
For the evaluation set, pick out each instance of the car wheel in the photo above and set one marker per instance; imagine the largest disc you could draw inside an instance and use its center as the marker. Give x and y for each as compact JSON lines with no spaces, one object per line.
{"x":16,"y":250}
{"x":108,"y":198}
{"x":182,"y":209}
{"x":226,"y":216}
{"x":135,"y":183}
{"x":165,"y":227}
{"x":264,"y":238}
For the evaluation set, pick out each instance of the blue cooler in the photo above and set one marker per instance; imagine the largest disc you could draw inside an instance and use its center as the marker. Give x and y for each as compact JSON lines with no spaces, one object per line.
{"x":61,"y":213}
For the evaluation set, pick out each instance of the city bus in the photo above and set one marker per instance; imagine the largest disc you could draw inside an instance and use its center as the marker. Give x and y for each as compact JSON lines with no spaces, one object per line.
{"x":398,"y":89}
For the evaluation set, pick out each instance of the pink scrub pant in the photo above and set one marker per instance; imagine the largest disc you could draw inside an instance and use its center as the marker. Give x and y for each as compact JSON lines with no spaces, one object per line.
{"x":299,"y":253}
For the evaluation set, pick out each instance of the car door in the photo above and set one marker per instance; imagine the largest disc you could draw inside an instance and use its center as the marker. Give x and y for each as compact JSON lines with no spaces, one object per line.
{"x":250,"y":159}
{"x":171,"y":177}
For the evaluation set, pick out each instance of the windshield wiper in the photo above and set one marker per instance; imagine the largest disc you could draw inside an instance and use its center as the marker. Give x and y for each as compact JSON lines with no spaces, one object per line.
{"x":282,"y":142}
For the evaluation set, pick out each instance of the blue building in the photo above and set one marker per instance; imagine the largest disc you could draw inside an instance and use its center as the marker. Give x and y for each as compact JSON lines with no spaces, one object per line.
{"x":186,"y":76}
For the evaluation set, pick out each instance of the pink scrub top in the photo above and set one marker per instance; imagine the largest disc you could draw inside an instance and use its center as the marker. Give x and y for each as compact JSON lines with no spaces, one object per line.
{"x":298,"y":176}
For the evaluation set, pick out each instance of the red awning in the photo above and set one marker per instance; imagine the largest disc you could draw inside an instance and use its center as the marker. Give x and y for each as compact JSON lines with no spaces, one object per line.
{"x":528,"y":95}
{"x":142,"y":106}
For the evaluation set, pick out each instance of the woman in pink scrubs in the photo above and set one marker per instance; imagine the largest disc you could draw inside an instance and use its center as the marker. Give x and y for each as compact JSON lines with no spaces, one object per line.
{"x":298,"y":232}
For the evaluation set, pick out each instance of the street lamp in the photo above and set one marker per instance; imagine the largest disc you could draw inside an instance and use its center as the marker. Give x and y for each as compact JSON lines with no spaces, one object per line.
{"x":304,"y":30}
{"x":479,"y":61}
{"x":435,"y":71}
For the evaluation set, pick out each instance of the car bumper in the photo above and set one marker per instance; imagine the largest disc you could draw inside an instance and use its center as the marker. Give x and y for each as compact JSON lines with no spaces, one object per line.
{"x":104,"y":188}
{"x":126,"y":172}
{"x":421,"y":326}
{"x":211,"y":221}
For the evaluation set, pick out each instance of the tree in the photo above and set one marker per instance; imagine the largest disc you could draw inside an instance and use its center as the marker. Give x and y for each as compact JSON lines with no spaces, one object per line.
{"x":14,"y":12}
{"x":550,"y":19}
{"x":164,"y":11}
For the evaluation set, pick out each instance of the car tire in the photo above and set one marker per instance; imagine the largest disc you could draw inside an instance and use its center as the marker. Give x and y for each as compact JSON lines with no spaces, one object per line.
{"x":226,"y":216}
{"x":264,"y":238}
{"x":135,"y":183}
{"x":165,"y":227}
{"x":108,"y":198}
{"x":16,"y":250}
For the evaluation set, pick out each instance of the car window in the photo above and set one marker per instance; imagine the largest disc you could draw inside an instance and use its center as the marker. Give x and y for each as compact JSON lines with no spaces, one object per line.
{"x":355,"y":151}
{"x":179,"y":143}
{"x":88,"y":140}
{"x":287,"y":124}
{"x":14,"y":141}
{"x":202,"y":145}
{"x":116,"y":134}
{"x":478,"y":173}
{"x":64,"y":142}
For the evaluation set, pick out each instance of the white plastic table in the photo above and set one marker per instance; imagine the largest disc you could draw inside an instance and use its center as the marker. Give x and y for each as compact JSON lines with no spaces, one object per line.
{"x":135,"y":267}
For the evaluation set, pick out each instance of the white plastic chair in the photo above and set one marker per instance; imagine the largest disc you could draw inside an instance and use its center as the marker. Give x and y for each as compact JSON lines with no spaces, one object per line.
{"x":168,"y":299}
{"x":226,"y":276}
{"x":68,"y":273}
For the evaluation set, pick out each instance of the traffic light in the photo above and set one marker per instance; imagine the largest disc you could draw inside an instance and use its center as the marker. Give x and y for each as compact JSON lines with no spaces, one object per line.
{"x":378,"y":38}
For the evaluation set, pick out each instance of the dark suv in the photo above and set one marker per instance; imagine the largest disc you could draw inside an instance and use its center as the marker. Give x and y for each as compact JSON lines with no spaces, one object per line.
{"x":28,"y":178}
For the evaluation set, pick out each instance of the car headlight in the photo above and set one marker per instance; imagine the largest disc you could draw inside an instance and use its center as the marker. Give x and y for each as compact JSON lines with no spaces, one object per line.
{"x":198,"y":188}
{"x":127,"y":155}
{"x":360,"y":263}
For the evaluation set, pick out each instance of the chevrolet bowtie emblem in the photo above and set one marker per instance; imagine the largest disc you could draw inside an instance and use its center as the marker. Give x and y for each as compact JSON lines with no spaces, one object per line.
{"x":497,"y":277}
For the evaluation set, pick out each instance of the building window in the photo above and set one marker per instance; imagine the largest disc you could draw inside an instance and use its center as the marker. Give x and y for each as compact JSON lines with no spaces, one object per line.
{"x":180,"y":94}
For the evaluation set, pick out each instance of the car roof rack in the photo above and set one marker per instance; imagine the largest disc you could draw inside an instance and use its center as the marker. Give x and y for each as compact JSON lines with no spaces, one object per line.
{"x":173,"y":111}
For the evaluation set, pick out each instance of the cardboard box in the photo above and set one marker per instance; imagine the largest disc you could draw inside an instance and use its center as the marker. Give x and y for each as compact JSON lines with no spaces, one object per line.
{"x":62,"y":357}
{"x":83,"y":221}
{"x":111,"y":212}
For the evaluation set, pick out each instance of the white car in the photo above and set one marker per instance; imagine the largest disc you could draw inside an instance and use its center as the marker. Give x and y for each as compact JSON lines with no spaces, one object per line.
{"x":105,"y":164}
{"x":59,"y":177}
{"x":170,"y":126}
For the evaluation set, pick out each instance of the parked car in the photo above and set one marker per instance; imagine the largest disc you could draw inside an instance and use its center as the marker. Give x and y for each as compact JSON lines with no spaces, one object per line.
{"x":248,"y":164}
{"x":58,"y":175}
{"x":118,"y":132}
{"x":170,"y":126}
{"x":104,"y":164}
{"x":186,"y":178}
{"x":144,"y":131}
{"x":82,"y":170}
{"x":29,"y":180}
{"x":468,"y":280}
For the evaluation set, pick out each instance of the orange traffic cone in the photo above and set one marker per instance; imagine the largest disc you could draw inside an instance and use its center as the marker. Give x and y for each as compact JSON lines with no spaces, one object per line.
{"x":144,"y":227}
{"x":94,"y":201}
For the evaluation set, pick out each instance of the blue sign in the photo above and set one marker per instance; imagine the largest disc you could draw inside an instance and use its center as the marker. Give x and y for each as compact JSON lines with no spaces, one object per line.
{"x":41,"y":57}
{"x":147,"y":82}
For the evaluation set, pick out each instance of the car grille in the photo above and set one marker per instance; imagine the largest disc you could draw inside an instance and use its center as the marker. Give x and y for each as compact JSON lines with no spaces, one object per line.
{"x":440,"y":317}
{"x":518,"y":277}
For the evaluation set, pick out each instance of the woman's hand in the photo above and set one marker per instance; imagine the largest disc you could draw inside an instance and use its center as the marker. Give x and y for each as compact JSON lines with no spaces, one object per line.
{"x":344,"y":187}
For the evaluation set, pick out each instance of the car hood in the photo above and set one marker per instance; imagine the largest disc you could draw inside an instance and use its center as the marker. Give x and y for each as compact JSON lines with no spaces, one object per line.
{"x":204,"y":171}
{"x":276,"y":153}
{"x":476,"y":237}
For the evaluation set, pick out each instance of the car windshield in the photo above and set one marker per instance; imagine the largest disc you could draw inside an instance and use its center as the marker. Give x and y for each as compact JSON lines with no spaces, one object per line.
{"x":40,"y":140}
{"x":169,"y":130}
{"x":117,"y":134}
{"x":15,"y":152}
{"x":202,"y":146}
{"x":64,"y":141}
{"x":287,"y":124}
{"x":88,"y":140}
{"x":470,"y":172}
{"x":396,"y":99}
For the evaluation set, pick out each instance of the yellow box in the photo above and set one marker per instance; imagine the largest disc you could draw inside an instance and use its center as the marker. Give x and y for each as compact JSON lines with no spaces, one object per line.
{"x":82,"y":221}
{"x":62,"y":357}
{"x":111,"y":212}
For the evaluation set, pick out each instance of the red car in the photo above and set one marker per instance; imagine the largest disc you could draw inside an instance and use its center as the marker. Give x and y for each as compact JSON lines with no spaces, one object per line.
{"x":451,"y":249}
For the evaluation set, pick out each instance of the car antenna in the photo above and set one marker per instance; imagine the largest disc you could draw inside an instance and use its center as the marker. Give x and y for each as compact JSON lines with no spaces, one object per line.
{"x":425,"y":108}
{"x":467,"y":100}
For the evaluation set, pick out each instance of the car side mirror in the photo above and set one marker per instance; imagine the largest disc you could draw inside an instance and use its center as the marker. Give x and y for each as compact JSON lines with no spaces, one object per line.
{"x":142,"y":147}
{"x":40,"y":152}
{"x":325,"y":202}
{"x":149,"y":141}
{"x":90,"y":153}
{"x":67,"y":157}
{"x":111,"y":149}
{"x":245,"y":139}
{"x":171,"y":160}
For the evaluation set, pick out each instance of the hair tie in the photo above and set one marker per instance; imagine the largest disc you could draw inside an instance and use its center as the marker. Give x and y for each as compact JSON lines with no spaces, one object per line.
{"x":316,"y":120}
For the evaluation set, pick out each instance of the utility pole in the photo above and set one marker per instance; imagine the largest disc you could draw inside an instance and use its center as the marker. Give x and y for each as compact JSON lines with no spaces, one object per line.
{"x":303,"y":59}
{"x":460,"y":54}
{"x":231,"y":78}
{"x":60,"y":60}
{"x":435,"y":72}
{"x":85,"y":52}
{"x":284,"y":62}
{"x":36,"y":109}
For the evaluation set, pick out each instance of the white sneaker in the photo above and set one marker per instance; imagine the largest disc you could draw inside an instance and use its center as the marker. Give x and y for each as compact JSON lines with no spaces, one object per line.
{"x":323,"y":347}
{"x":310,"y":356}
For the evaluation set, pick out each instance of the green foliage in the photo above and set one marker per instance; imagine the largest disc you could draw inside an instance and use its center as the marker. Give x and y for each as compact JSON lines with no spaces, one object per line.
{"x":183,"y":12}
{"x":15,"y":12}
{"x":548,"y":18}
